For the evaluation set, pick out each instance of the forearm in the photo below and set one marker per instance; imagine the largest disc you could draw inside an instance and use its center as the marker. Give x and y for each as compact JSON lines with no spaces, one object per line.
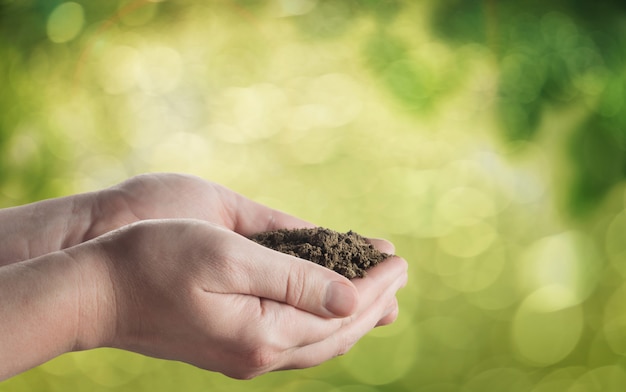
{"x":51,"y":305}
{"x":39,"y":228}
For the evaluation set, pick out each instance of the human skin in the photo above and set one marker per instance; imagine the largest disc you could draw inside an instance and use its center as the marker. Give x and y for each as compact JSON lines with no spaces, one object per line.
{"x":161,"y":265}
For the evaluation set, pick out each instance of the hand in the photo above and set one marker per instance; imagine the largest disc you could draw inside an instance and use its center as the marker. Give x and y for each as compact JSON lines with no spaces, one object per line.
{"x":194,"y":290}
{"x":197,"y":292}
{"x":51,"y":225}
{"x":170,"y":195}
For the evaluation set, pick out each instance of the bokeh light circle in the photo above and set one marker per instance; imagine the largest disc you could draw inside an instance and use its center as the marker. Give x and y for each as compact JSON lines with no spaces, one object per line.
{"x":378,"y":361}
{"x":161,"y":69}
{"x":614,"y":325}
{"x":538,"y":336}
{"x":610,"y":378}
{"x":469,"y":240}
{"x":564,"y":268}
{"x":559,"y":380}
{"x":65,"y":22}
{"x":499,"y":379}
{"x":119,"y":68}
{"x":475,"y":273}
{"x":465,"y":206}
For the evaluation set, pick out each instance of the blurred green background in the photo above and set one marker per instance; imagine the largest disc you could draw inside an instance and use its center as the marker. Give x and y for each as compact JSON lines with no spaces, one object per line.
{"x":486,"y":139}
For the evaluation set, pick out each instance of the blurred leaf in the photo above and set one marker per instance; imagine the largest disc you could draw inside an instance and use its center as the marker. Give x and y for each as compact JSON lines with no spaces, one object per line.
{"x":599,"y":160}
{"x":547,"y":52}
{"x":387,"y":57}
{"x":460,"y":20}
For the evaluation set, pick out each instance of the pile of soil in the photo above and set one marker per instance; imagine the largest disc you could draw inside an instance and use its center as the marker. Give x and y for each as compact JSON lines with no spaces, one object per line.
{"x":349,"y":254}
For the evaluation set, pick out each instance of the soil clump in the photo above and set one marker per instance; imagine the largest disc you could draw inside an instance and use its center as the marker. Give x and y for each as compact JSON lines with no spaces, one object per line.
{"x":349,"y":254}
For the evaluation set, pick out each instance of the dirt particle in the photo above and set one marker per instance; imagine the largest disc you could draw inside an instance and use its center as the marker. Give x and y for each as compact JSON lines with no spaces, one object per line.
{"x":349,"y":254}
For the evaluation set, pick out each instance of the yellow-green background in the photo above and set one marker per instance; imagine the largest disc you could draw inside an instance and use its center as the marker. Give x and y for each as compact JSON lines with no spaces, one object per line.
{"x":486,"y":139}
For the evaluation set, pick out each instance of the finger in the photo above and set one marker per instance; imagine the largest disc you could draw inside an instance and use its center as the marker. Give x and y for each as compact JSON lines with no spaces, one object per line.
{"x":297,"y":282}
{"x":391,"y":314}
{"x":301,"y":329}
{"x":249,"y":217}
{"x":385,"y":273}
{"x":383,"y":245}
{"x":343,"y":340}
{"x":292,"y":327}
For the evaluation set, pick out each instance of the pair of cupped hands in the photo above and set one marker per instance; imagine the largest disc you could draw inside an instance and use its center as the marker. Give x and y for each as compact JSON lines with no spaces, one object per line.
{"x":166,"y":269}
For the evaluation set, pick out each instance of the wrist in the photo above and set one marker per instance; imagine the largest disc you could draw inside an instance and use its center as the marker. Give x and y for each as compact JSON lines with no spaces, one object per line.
{"x":50,"y":305}
{"x":96,"y":305}
{"x":47,"y":226}
{"x":108,"y":210}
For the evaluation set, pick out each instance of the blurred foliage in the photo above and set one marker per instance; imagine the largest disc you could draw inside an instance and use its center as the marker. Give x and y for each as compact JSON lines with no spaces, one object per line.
{"x":551,"y":55}
{"x":484,"y":138}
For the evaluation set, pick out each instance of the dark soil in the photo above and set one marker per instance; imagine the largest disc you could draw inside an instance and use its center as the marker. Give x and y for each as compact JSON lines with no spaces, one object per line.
{"x":349,"y":254}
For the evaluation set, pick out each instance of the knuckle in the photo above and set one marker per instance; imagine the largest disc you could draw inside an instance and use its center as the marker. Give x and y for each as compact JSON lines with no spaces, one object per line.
{"x":345,"y":343}
{"x":262,"y":351}
{"x":296,"y":286}
{"x":260,"y":360}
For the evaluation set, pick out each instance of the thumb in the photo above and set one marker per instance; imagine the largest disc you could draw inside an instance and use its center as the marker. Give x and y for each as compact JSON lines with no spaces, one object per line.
{"x":300,"y":283}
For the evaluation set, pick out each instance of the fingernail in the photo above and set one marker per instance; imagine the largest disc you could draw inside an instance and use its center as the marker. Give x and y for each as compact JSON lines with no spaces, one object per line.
{"x":341,"y":299}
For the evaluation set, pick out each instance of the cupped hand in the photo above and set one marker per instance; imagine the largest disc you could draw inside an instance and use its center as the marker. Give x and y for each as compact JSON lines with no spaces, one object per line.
{"x":200,"y":293}
{"x":176,"y":196}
